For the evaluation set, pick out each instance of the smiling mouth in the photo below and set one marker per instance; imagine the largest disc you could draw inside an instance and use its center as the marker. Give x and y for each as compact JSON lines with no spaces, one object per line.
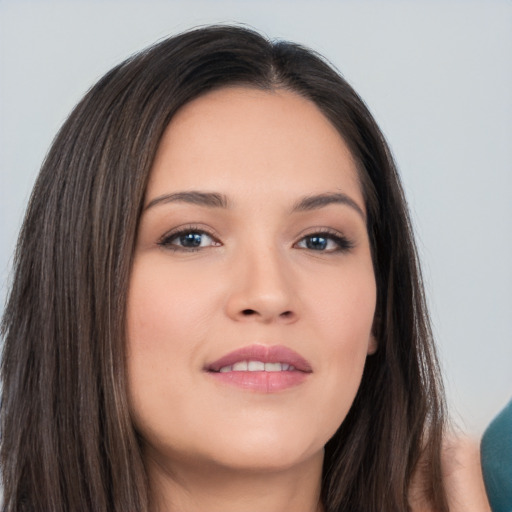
{"x":260,"y":368}
{"x":260,"y":358}
{"x":257,"y":366}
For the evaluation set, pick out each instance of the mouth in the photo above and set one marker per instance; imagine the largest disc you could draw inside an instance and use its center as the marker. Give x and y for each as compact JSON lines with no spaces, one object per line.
{"x":261,"y":368}
{"x":257,"y":366}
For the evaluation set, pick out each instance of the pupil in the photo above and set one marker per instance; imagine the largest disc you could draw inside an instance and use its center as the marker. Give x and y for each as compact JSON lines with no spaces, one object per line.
{"x":316,"y":242}
{"x":191,"y":240}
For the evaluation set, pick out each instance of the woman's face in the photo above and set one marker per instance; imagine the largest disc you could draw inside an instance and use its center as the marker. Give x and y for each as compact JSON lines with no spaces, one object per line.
{"x":252,"y":292}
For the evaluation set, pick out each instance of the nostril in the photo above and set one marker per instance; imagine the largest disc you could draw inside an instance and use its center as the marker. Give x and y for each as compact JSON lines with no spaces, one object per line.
{"x":250,"y":312}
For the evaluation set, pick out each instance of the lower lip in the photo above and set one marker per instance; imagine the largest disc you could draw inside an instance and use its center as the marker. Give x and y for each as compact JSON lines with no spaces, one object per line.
{"x":262,"y":382}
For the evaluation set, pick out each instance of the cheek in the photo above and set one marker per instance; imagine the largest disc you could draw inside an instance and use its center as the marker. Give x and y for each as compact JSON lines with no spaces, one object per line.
{"x":343,"y":321}
{"x":165,"y":309}
{"x":170,"y":317}
{"x":167,"y":320}
{"x":343,"y":309}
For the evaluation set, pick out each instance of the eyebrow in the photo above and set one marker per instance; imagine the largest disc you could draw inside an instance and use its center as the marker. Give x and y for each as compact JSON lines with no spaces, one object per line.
{"x":322,"y":200}
{"x":208,"y":199}
{"x":216,"y":200}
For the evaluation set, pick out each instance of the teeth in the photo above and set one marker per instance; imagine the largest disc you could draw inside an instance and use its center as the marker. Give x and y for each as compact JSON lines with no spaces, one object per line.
{"x":257,"y":366}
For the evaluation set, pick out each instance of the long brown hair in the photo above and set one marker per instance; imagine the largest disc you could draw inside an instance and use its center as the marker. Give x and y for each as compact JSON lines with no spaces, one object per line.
{"x":68,"y":443}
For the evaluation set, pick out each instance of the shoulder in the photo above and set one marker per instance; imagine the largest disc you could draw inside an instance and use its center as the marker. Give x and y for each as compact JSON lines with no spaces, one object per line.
{"x":462,"y":478}
{"x":462,"y":475}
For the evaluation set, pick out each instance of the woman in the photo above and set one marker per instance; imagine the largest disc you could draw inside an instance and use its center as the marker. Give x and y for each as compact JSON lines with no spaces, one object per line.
{"x":217,"y":302}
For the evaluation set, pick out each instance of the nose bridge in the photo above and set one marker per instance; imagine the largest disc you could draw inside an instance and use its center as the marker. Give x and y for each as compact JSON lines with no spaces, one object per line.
{"x":264,"y":284}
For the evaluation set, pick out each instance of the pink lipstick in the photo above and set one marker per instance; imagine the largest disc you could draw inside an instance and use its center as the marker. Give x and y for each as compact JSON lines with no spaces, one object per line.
{"x":261,"y":368}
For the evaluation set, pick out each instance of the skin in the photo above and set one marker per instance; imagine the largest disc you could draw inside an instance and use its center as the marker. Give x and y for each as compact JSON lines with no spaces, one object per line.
{"x":257,"y":279}
{"x":462,"y":473}
{"x":462,"y":478}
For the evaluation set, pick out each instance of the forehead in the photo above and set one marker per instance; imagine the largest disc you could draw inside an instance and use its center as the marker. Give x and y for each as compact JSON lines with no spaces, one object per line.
{"x":243,"y":139}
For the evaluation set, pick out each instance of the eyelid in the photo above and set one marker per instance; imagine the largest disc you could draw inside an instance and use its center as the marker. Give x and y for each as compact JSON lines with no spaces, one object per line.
{"x":165,"y":240}
{"x":344,"y":243}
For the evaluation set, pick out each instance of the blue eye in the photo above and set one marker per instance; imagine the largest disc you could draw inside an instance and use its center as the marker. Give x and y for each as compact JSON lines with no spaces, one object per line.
{"x":325,"y":242}
{"x":191,"y":240}
{"x":317,"y":243}
{"x":188,"y":240}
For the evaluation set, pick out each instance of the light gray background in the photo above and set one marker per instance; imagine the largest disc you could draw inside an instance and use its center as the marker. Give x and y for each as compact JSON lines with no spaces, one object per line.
{"x":436,"y":74}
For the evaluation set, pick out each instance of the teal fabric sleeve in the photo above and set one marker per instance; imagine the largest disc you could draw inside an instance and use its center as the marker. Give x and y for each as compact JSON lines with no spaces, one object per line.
{"x":496,"y":452}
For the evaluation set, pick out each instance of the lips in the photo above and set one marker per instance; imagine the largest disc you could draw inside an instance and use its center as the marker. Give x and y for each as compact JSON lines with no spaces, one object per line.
{"x":261,"y":368}
{"x":266,"y":355}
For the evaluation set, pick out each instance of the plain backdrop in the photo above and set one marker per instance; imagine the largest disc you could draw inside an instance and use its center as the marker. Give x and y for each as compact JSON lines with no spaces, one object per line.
{"x":437,"y":75}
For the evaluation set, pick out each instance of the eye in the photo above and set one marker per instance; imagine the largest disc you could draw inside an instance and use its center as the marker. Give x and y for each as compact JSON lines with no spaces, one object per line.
{"x":188,"y":240}
{"x":325,"y":242}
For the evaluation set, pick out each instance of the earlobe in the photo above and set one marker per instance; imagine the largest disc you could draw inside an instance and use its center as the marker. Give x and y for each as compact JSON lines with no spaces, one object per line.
{"x":372,"y":345}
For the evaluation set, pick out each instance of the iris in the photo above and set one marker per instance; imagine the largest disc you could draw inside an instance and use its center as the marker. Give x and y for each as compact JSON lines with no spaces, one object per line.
{"x":191,"y":240}
{"x":316,"y":243}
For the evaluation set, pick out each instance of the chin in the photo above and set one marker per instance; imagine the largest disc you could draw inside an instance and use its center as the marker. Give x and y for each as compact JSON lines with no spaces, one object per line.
{"x":264,"y":449}
{"x":265,"y":462}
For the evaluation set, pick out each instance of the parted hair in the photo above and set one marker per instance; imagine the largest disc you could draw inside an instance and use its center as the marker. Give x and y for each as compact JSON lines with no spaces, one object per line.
{"x":67,"y":440}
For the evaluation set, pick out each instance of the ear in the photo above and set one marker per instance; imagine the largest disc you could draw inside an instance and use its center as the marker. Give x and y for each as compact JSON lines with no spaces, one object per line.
{"x":372,"y":345}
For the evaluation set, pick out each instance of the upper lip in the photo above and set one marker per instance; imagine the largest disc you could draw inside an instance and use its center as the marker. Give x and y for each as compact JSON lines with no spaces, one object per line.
{"x":263,"y":353}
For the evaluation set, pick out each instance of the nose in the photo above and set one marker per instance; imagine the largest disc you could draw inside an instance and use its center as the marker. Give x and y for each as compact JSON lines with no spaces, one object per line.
{"x":262,"y":288}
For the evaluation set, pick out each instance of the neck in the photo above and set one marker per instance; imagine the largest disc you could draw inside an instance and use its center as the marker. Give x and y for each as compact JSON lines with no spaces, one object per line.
{"x":205,"y":486}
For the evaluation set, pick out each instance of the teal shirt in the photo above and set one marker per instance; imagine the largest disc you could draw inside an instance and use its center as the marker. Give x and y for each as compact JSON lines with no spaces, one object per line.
{"x":496,"y":452}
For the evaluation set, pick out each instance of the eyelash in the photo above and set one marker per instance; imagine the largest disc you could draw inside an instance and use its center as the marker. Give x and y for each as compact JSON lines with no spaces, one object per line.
{"x":166,"y":240}
{"x":343,"y":244}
